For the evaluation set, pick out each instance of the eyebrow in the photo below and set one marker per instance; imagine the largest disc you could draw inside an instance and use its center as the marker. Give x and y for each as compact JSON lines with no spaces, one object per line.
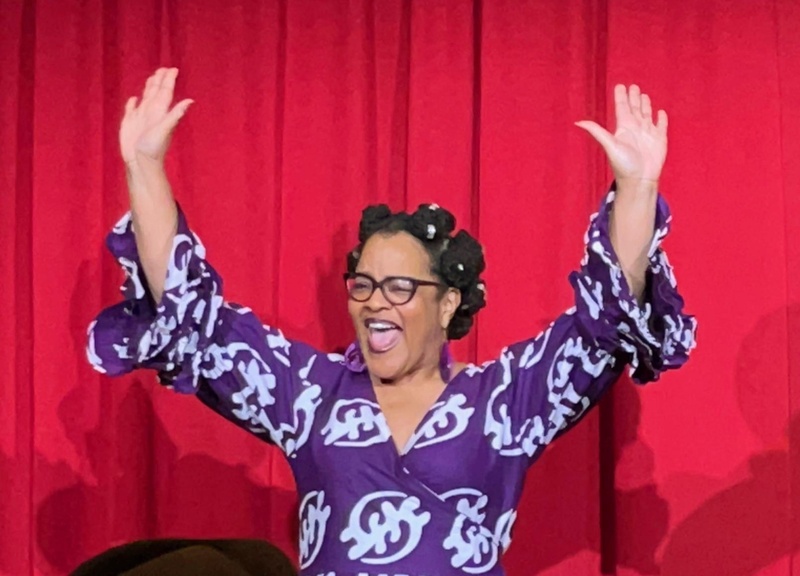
{"x":425,"y":275}
{"x":428,"y":277}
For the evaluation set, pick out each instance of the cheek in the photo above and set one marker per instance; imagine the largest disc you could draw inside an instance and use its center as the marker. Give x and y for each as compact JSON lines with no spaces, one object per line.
{"x":354,"y":309}
{"x":421,"y":319}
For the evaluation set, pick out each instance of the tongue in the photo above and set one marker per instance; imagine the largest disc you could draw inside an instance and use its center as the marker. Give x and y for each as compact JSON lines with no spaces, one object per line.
{"x":381,"y":341}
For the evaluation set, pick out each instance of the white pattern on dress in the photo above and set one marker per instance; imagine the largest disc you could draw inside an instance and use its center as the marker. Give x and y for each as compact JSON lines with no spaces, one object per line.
{"x":94,"y":360}
{"x":476,"y":548}
{"x":498,"y":426}
{"x":355,"y":423}
{"x":260,"y":382}
{"x":385,"y":527}
{"x":565,"y":403}
{"x":280,"y":346}
{"x":132,"y":272}
{"x":448,"y":419}
{"x":314,"y":515}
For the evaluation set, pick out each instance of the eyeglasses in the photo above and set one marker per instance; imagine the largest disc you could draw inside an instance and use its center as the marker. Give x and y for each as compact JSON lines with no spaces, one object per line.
{"x":396,"y":289}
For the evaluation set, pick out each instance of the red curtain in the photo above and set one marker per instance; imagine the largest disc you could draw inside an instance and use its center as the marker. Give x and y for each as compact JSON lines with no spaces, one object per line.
{"x":306,"y":111}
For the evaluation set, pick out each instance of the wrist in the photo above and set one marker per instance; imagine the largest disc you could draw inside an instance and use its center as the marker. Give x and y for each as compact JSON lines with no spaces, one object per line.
{"x":634,"y":186}
{"x":145,"y":177}
{"x":636,"y":180}
{"x":143,"y":166}
{"x":144,"y":161}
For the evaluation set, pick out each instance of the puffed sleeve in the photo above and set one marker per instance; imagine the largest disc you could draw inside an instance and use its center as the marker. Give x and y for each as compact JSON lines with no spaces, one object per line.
{"x":202,"y":345}
{"x":544,"y":385}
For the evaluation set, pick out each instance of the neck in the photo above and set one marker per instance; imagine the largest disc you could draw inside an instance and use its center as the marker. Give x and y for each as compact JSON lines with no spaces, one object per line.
{"x":434,"y":367}
{"x":415,"y":377}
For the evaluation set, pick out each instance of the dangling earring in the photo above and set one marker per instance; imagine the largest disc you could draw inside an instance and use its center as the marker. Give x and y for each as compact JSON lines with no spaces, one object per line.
{"x":446,"y":363}
{"x":354,"y":358}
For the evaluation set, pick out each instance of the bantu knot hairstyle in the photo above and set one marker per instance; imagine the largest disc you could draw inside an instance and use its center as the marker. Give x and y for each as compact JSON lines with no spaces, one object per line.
{"x":455,"y":259}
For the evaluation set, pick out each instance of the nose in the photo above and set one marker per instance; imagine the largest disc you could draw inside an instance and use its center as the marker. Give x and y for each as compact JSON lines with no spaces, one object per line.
{"x":377,"y":301}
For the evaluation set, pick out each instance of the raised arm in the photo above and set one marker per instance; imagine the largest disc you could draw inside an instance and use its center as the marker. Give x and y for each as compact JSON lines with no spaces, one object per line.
{"x":144,"y":138}
{"x":636,"y":151}
{"x":174,"y":318}
{"x":627,"y":309}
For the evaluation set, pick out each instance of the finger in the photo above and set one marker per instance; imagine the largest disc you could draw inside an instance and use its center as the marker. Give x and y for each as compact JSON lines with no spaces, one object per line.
{"x":167,"y":87}
{"x":603,"y":136}
{"x":169,"y":79}
{"x":157,"y":81}
{"x":177,"y":113}
{"x":635,"y":99}
{"x":151,"y":86}
{"x":148,"y":87}
{"x":647,"y":108}
{"x":130,"y":105}
{"x":160,"y":75}
{"x":621,"y":97}
{"x":663,"y":122}
{"x":622,"y":108}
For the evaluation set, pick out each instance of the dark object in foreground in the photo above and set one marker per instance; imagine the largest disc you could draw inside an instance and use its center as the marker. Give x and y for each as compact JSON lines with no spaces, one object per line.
{"x":176,"y":557}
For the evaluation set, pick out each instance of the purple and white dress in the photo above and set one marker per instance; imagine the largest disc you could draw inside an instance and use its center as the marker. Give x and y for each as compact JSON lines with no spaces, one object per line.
{"x":446,"y":504}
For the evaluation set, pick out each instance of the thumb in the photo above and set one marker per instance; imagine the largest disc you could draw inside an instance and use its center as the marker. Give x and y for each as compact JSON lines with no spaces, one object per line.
{"x":603,"y":136}
{"x":174,"y":116}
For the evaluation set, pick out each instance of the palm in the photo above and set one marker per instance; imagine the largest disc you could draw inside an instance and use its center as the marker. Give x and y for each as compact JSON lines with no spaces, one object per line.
{"x":146,"y":129}
{"x":638,"y":147}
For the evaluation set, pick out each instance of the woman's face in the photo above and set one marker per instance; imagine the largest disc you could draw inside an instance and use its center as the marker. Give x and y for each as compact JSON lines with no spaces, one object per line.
{"x":399,"y":339}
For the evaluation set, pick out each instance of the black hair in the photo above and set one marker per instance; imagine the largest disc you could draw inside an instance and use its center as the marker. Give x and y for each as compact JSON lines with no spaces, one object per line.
{"x":456,"y":259}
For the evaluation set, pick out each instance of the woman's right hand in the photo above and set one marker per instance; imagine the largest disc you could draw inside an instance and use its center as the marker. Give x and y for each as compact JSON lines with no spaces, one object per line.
{"x":147,"y":127}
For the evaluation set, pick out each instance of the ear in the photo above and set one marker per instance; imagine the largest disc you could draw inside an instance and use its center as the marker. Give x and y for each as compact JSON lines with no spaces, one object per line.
{"x":449,"y":305}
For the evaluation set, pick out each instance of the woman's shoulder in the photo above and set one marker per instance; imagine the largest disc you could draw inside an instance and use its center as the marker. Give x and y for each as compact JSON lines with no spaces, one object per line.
{"x":478,"y":373}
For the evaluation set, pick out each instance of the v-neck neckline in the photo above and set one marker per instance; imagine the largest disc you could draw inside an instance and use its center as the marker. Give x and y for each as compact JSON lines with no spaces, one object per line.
{"x":412,"y":440}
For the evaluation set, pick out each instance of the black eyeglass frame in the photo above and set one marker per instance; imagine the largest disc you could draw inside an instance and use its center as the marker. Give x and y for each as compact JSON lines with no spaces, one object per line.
{"x":415,"y":284}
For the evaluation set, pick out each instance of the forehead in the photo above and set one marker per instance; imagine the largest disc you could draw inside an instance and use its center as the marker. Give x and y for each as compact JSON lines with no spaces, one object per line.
{"x":398,"y":254}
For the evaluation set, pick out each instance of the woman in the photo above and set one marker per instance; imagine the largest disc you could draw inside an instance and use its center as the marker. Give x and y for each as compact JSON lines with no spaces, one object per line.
{"x":406,"y":461}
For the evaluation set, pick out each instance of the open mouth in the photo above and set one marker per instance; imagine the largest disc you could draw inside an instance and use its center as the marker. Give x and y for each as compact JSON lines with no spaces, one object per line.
{"x":383,"y":335}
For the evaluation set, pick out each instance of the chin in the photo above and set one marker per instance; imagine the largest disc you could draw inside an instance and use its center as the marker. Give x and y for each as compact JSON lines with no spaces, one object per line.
{"x":383,"y":366}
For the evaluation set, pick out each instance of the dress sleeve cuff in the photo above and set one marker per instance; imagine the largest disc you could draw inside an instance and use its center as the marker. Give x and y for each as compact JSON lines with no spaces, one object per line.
{"x":166,"y":336}
{"x":655,"y":336}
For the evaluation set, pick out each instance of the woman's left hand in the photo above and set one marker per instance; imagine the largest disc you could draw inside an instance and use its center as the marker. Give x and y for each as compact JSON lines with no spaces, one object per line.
{"x":638,"y":147}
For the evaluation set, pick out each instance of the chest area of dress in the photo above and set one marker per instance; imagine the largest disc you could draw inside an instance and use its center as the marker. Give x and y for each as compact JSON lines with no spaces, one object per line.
{"x":446,"y":449}
{"x":445,"y":500}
